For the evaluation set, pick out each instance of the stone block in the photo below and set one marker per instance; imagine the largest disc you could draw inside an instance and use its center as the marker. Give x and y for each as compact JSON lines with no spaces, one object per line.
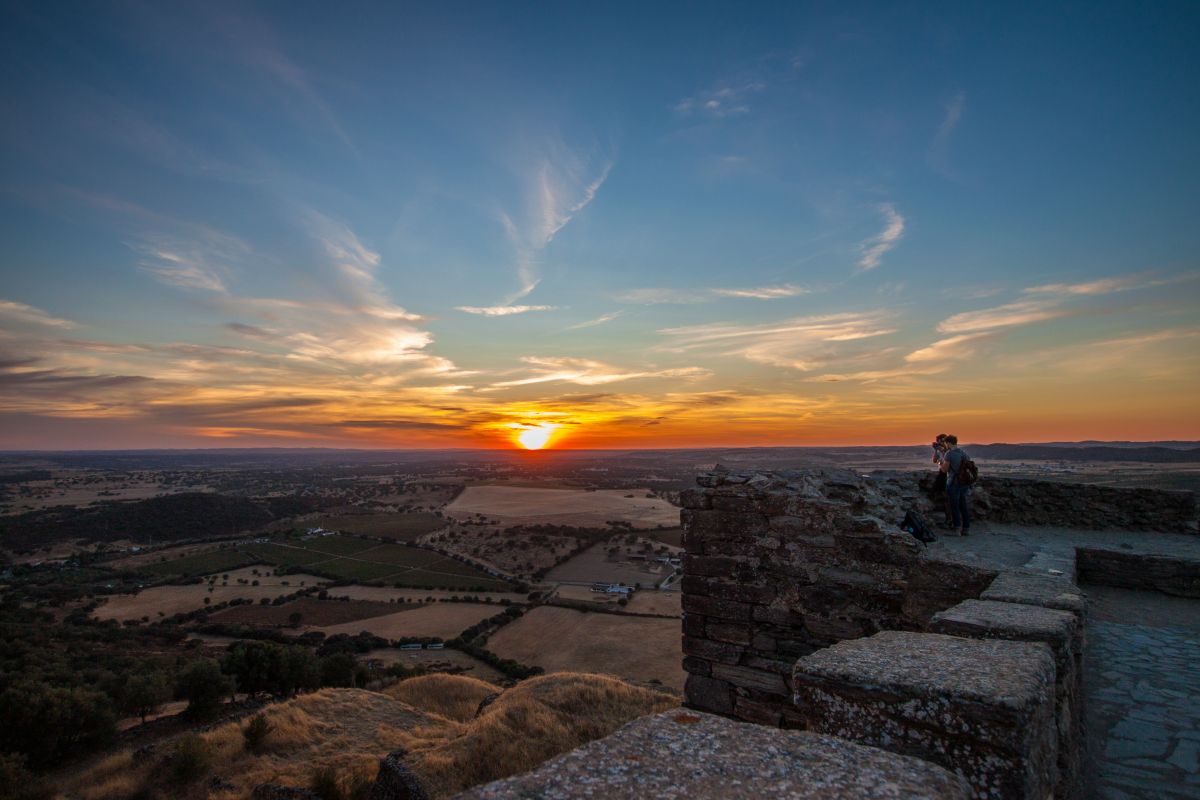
{"x":1062,"y":631}
{"x":708,"y":694}
{"x":680,"y":755}
{"x":982,"y":708}
{"x":716,"y":652}
{"x":1030,"y":589}
{"x":716,"y":607}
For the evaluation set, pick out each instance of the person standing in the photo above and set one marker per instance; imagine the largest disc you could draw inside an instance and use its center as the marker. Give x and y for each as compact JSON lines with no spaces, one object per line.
{"x":938,"y":493}
{"x":957,"y":493}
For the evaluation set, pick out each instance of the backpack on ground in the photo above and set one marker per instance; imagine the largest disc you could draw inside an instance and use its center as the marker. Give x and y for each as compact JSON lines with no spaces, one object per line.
{"x":915,"y":524}
{"x":968,"y":473}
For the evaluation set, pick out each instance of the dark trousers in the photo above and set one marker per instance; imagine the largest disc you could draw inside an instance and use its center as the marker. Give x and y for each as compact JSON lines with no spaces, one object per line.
{"x":959,"y":502}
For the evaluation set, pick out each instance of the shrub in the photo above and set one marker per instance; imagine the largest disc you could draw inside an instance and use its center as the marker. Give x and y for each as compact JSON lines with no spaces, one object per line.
{"x":190,"y":760}
{"x":325,"y":784}
{"x":256,"y":732}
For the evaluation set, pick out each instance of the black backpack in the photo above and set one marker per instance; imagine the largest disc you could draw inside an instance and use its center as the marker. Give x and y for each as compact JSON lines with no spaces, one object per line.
{"x":915,"y":524}
{"x":968,"y":473}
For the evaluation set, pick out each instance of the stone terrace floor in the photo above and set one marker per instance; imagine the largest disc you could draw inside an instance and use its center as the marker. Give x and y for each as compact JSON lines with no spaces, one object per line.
{"x":1141,"y":659}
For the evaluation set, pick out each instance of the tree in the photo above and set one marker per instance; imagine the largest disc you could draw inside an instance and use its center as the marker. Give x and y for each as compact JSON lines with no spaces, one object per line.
{"x":144,"y":693}
{"x":203,"y":685}
{"x":295,"y":618}
{"x":338,"y":670}
{"x":267,"y":667}
{"x":46,"y":722}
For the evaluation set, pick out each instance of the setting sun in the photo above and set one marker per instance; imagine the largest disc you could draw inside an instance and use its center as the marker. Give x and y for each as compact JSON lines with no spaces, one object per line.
{"x":535,"y":438}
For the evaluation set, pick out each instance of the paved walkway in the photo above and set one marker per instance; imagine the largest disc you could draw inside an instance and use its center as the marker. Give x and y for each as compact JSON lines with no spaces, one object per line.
{"x":1142,"y":690}
{"x":1141,"y":668}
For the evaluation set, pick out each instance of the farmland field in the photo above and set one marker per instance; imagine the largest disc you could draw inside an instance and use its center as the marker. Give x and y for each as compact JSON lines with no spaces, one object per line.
{"x":201,"y":563}
{"x":445,"y":620}
{"x":385,"y":594}
{"x":593,"y":564}
{"x":517,"y":505}
{"x":313,"y":613}
{"x":182,"y":599}
{"x":435,"y":660}
{"x":561,"y":639}
{"x":343,"y":557}
{"x":397,"y":526}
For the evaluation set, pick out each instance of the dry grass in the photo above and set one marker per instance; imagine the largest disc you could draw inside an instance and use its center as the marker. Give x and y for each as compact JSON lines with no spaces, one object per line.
{"x":445,"y":620}
{"x":561,"y":639}
{"x":515,"y":505}
{"x":349,"y":730}
{"x":530,"y":723}
{"x":455,"y":697}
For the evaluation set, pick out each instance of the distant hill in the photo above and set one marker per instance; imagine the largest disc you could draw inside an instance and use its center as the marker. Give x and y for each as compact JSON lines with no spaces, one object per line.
{"x":1165,"y":453}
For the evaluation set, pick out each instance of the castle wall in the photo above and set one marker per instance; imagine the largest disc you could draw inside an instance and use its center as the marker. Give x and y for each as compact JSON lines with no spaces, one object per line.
{"x":779,"y":566}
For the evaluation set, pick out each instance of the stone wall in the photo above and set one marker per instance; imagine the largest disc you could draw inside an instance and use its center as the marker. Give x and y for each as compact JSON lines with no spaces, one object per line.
{"x":1174,"y":575}
{"x":780,"y":565}
{"x":1078,"y":505}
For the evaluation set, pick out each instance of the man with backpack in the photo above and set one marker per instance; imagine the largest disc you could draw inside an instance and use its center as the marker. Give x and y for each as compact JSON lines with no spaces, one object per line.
{"x":961,"y":474}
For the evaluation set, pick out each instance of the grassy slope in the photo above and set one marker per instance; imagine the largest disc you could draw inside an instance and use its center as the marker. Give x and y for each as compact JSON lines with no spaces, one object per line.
{"x":351,"y":729}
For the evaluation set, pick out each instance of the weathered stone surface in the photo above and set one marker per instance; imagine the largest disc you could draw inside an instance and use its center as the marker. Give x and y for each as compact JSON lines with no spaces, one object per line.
{"x":1170,"y":574}
{"x":1062,"y":631}
{"x":395,"y":781}
{"x":983,"y":708}
{"x":787,"y":563}
{"x":1047,"y":591}
{"x":679,"y":754}
{"x":990,"y":619}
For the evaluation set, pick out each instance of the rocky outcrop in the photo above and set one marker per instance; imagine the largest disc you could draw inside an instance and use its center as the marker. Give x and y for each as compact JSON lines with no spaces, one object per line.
{"x":395,"y":781}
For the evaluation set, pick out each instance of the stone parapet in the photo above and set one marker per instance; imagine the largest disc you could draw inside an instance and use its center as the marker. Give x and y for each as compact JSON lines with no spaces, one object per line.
{"x":982,"y":708}
{"x":679,"y":755}
{"x":779,"y":565}
{"x":1170,"y":574}
{"x":1024,"y":501}
{"x":1063,"y":632}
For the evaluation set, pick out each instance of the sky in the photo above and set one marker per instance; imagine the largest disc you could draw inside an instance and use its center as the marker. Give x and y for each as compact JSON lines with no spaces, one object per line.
{"x":622,"y":225}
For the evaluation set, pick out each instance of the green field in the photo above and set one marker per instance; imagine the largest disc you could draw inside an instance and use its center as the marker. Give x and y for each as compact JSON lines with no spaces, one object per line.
{"x":399,"y":527}
{"x":203,"y":563}
{"x":343,"y":557}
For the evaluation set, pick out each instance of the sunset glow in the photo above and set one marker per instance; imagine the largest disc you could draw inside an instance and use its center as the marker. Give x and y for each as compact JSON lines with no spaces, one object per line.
{"x":421,"y":229}
{"x":535,"y":438}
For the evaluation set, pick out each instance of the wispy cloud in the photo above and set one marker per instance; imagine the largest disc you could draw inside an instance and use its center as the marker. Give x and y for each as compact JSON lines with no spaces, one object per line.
{"x":952,"y":348}
{"x":939,"y":150}
{"x":1101,"y":286}
{"x":1006,"y":316}
{"x":663,"y":296}
{"x":600,"y":320}
{"x":559,"y":185}
{"x":586,"y":372}
{"x":874,"y":249}
{"x":723,"y":100}
{"x":501,"y":311}
{"x":801,"y":343}
{"x":13,"y":311}
{"x":190,"y":264}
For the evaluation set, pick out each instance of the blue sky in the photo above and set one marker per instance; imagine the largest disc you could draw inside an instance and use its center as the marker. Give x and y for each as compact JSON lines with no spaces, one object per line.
{"x":303,"y":223}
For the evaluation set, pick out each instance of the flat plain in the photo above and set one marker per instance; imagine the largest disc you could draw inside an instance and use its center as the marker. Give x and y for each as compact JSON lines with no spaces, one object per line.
{"x":444,"y":620}
{"x":182,"y":599}
{"x":581,"y":507}
{"x":561,"y":639}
